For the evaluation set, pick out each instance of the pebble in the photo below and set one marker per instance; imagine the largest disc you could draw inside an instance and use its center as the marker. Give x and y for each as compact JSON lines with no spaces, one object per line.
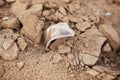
{"x":57,"y":58}
{"x":20,"y":64}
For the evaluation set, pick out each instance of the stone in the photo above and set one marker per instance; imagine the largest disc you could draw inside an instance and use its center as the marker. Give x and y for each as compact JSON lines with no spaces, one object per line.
{"x":32,"y":27}
{"x":7,"y":43}
{"x":92,"y":72}
{"x":98,"y":68}
{"x":12,"y":23}
{"x":20,"y":64}
{"x":11,"y":53}
{"x":57,"y":58}
{"x":89,"y":59}
{"x":90,"y":47}
{"x":21,"y":43}
{"x":82,"y":26}
{"x":8,"y":48}
{"x":64,"y":49}
{"x":10,"y":1}
{"x":111,"y":35}
{"x":46,"y":13}
{"x":18,"y":7}
{"x":107,"y":48}
{"x":62,"y":10}
{"x":73,"y":19}
{"x":35,"y":9}
{"x":1,"y":3}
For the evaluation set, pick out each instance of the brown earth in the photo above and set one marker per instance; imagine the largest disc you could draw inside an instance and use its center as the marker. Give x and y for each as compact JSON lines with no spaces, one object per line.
{"x":92,"y":54}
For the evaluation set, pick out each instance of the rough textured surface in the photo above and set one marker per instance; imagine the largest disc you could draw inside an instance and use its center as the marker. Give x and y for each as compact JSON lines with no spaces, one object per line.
{"x":12,"y":23}
{"x":90,"y":48}
{"x":34,"y":31}
{"x":21,"y":43}
{"x":19,"y":6}
{"x":80,"y":57}
{"x":111,"y":35}
{"x":8,"y":48}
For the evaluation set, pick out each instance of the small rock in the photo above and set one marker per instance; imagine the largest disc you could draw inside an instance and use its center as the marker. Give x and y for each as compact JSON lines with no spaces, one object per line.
{"x":57,"y":58}
{"x":12,"y":23}
{"x":98,"y":68}
{"x":32,"y":27}
{"x":11,"y":53}
{"x":36,"y":9}
{"x":89,"y":59}
{"x":90,"y":47}
{"x":19,"y":6}
{"x":82,"y":26}
{"x":2,"y":71}
{"x":20,"y":64}
{"x":111,"y":35}
{"x":62,"y":10}
{"x":73,"y":19}
{"x":64,"y":49}
{"x":21,"y":43}
{"x":7,"y":43}
{"x":46,"y":13}
{"x":1,"y":2}
{"x":10,"y":1}
{"x":93,"y":72}
{"x":107,"y":48}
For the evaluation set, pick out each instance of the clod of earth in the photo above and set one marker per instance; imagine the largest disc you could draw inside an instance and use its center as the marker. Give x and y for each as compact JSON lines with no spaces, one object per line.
{"x":20,"y":64}
{"x":56,"y":31}
{"x":7,"y":43}
{"x":11,"y":53}
{"x":35,"y":9}
{"x":82,"y":26}
{"x":111,"y":35}
{"x":21,"y":43}
{"x":107,"y":48}
{"x":19,"y":6}
{"x":12,"y":23}
{"x":62,"y":10}
{"x":8,"y":48}
{"x":32,"y":27}
{"x":90,"y":44}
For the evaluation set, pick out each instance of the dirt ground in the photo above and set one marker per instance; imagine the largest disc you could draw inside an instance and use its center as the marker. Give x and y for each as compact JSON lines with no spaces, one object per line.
{"x":93,"y":53}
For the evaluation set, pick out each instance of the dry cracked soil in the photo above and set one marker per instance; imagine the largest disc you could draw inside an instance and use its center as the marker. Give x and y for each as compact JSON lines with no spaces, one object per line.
{"x":93,"y":53}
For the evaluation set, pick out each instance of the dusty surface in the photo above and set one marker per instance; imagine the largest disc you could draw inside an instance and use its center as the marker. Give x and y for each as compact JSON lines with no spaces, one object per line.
{"x":92,"y":54}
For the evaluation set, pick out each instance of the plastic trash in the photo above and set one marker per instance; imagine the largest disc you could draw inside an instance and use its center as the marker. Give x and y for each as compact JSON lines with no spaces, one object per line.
{"x":56,"y":31}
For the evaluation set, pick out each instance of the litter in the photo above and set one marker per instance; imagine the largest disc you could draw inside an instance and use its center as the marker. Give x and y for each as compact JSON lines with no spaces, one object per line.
{"x":56,"y":31}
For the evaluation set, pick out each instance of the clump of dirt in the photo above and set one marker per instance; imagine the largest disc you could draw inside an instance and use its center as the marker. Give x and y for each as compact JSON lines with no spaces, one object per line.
{"x":92,"y":53}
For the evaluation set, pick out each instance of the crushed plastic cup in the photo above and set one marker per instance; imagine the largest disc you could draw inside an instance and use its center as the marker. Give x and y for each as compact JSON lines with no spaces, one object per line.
{"x":57,"y":31}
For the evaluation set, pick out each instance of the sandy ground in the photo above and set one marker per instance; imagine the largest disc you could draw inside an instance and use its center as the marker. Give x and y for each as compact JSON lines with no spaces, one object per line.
{"x":35,"y":63}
